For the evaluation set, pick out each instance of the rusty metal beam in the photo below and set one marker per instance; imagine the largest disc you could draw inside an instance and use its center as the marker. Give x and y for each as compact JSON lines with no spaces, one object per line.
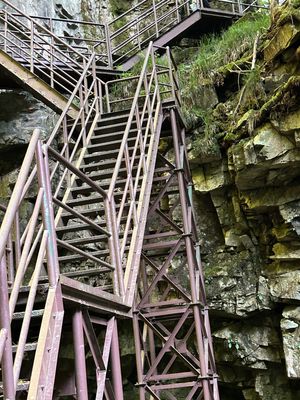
{"x":35,"y":85}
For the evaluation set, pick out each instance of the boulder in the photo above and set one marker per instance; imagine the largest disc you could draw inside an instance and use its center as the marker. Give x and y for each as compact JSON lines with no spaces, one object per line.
{"x":290,"y":328}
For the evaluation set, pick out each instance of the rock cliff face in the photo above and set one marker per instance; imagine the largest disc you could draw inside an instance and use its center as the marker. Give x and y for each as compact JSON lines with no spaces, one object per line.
{"x":247,"y":199}
{"x":248,"y":205}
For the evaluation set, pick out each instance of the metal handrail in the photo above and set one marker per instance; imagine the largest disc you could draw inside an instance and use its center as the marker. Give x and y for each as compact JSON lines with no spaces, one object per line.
{"x":145,"y":112}
{"x":44,"y":52}
{"x":37,"y":25}
{"x":155,"y":19}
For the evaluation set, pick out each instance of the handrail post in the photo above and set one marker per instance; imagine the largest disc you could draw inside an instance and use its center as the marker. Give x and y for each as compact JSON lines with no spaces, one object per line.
{"x":100,"y":94}
{"x":188,"y":8}
{"x":10,"y":261}
{"x":114,"y":245}
{"x":240,"y":8}
{"x":138,"y":33}
{"x":7,"y":359}
{"x":66,"y":144}
{"x":17,"y":239}
{"x":96,"y":88}
{"x":31,"y":46}
{"x":107,"y":98}
{"x":5,"y":31}
{"x":171,"y":77}
{"x":108,"y":46}
{"x":177,"y":11}
{"x":155,"y":18}
{"x":52,"y":49}
{"x":82,"y":115}
{"x":48,"y":213}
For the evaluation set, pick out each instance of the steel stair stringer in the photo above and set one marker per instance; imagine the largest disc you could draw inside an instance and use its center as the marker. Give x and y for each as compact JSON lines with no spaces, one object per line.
{"x":45,"y":361}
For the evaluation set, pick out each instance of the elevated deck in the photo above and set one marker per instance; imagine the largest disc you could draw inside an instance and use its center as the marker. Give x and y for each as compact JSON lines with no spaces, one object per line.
{"x":200,"y":22}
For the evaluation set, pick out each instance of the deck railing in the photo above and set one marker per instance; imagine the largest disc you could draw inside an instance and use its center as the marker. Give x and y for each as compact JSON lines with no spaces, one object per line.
{"x":148,"y":20}
{"x":32,"y":41}
{"x":42,"y":42}
{"x":66,"y":147}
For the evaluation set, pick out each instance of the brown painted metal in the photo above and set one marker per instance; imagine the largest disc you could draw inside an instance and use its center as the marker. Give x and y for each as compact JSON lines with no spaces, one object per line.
{"x":105,"y":175}
{"x":177,"y":317}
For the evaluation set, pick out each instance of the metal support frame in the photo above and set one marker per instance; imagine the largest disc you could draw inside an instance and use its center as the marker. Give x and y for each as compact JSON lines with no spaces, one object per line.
{"x":145,"y":244}
{"x":174,"y":313}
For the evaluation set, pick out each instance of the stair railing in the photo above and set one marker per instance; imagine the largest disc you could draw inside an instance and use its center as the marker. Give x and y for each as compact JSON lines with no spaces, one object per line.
{"x":144,"y":26}
{"x":40,"y":50}
{"x":155,"y":84}
{"x":148,"y":20}
{"x":82,"y":41}
{"x":34,"y":248}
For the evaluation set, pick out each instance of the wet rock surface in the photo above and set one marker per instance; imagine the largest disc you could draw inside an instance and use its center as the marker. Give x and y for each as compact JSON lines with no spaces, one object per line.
{"x":252,"y":268}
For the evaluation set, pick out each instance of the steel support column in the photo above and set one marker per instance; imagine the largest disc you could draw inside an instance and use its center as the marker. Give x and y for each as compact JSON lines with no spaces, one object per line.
{"x":189,"y":251}
{"x":7,"y":359}
{"x":171,"y":315}
{"x":80,"y":365}
{"x":116,"y":364}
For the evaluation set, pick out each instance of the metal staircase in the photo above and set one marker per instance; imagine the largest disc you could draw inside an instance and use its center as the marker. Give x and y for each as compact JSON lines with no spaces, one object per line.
{"x":111,"y":233}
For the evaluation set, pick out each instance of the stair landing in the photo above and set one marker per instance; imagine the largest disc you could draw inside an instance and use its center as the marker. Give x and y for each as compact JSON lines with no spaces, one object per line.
{"x":196,"y":24}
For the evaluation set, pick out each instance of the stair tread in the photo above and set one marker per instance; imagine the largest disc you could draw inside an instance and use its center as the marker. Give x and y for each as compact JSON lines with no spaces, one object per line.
{"x":34,"y":314}
{"x":104,"y":185}
{"x":24,"y":289}
{"x":28,"y":347}
{"x":88,"y":211}
{"x":112,"y":143}
{"x":92,"y":239}
{"x":93,"y":253}
{"x":106,"y":154}
{"x":75,"y":227}
{"x":21,"y":385}
{"x":102,"y":126}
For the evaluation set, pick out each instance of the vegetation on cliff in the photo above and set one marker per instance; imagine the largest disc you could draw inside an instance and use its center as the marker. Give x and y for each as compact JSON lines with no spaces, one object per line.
{"x":242,"y":106}
{"x":234,"y":73}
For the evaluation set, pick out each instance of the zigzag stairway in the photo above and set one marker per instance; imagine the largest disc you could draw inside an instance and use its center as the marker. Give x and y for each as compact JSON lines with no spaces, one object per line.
{"x":111,"y":236}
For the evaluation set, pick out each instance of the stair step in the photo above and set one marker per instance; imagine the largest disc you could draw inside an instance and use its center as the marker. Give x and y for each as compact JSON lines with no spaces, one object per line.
{"x":26,"y":289}
{"x":113,"y":144}
{"x":34,"y":314}
{"x":105,"y":185}
{"x":114,"y":114}
{"x":92,"y":239}
{"x":106,"y":155}
{"x":116,"y":127}
{"x":76,"y":257}
{"x":103,"y":174}
{"x":28,"y":347}
{"x":81,"y":201}
{"x":91,"y":212}
{"x":108,"y":164}
{"x":103,"y":165}
{"x":116,"y":117}
{"x":21,"y":386}
{"x":99,"y":137}
{"x":87,"y":272}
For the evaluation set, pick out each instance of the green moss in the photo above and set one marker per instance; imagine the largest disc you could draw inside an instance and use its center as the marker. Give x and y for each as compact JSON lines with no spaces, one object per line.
{"x":215,"y":51}
{"x":218,"y":57}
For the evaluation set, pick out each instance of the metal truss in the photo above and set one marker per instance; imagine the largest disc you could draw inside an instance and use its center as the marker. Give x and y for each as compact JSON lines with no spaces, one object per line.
{"x":173,"y":342}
